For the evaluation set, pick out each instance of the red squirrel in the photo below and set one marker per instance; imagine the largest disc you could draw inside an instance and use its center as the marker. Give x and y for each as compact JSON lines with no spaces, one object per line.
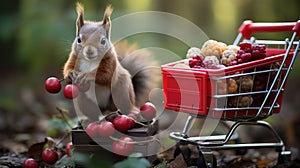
{"x":119,"y":79}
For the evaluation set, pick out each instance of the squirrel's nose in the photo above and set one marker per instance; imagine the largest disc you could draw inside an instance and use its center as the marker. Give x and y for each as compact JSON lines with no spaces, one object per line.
{"x":89,"y":52}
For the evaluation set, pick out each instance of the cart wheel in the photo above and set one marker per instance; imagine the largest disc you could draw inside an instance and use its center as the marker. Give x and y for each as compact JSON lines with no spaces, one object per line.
{"x":182,"y":148}
{"x":176,"y":152}
{"x":240,"y":151}
{"x":284,"y":157}
{"x":201,"y":161}
{"x":206,"y":160}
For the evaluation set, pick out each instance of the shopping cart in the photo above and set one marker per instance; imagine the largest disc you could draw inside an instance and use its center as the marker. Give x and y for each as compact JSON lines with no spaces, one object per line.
{"x":197,"y":93}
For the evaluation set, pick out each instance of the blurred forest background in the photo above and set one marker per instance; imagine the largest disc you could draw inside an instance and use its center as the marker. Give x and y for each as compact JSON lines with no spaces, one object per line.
{"x":36,"y":37}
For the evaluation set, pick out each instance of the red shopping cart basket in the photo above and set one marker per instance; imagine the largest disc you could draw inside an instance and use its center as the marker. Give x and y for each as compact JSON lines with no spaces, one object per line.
{"x":201,"y":91}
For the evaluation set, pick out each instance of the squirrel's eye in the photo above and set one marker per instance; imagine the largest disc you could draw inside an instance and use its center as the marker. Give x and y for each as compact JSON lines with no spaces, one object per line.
{"x":103,"y":41}
{"x":78,"y":39}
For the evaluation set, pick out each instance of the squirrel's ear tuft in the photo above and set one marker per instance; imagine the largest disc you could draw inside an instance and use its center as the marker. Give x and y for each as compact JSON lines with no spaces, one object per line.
{"x":107,"y":13}
{"x":80,"y":17}
{"x":106,"y":18}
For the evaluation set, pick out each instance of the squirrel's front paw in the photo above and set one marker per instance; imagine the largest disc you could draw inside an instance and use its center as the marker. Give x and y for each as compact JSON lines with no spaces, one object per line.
{"x":71,"y":77}
{"x":81,"y":79}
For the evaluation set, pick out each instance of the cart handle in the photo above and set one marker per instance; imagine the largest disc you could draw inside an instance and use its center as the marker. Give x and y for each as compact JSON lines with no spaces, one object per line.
{"x":248,"y":27}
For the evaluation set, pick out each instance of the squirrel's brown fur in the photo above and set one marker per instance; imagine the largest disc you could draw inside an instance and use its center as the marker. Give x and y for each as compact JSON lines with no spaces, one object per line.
{"x":121,"y":78}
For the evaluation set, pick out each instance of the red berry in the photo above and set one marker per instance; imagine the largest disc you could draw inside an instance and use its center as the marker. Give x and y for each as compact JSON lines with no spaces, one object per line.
{"x":198,"y":57}
{"x":30,"y":163}
{"x":92,"y":129}
{"x":52,"y":85}
{"x":239,"y":61}
{"x":106,"y":129}
{"x":69,"y":149}
{"x":193,"y":62}
{"x":148,"y":111}
{"x":122,"y":123}
{"x":232,"y":63}
{"x":122,"y":148}
{"x":240,"y":52}
{"x":246,"y":57}
{"x":246,"y":46}
{"x":49,"y":156}
{"x":134,"y":115}
{"x":255,"y":54}
{"x":132,"y":123}
{"x":70,"y":91}
{"x":262,"y":48}
{"x":263,"y":55}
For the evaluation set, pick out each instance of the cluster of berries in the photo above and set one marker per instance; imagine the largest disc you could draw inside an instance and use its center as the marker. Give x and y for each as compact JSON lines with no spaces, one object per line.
{"x":122,"y":123}
{"x":249,"y":52}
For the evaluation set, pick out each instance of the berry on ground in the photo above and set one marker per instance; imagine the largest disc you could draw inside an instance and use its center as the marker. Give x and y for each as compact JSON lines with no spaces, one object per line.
{"x":49,"y":156}
{"x":30,"y":163}
{"x":69,"y":148}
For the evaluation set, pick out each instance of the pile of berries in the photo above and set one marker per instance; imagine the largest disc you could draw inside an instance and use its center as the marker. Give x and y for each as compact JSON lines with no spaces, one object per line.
{"x":249,"y":52}
{"x":49,"y":157}
{"x":122,"y":123}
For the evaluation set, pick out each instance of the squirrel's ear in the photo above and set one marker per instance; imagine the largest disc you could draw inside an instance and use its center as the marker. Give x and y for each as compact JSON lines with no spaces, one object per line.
{"x":80,"y":17}
{"x":106,"y":19}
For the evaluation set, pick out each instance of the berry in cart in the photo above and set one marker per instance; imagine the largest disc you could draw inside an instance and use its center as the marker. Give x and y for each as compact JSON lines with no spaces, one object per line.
{"x":249,"y":52}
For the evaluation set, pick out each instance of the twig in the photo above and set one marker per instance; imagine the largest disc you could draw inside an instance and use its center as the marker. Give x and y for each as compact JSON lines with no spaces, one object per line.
{"x":61,"y":111}
{"x":142,"y":124}
{"x":63,"y":138}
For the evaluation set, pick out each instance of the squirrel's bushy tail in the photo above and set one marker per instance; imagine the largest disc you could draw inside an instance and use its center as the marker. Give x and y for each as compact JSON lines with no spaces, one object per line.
{"x":144,"y":70}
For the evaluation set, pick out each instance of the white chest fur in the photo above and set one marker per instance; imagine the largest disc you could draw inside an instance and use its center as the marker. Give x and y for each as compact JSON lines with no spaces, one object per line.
{"x":99,"y":94}
{"x":87,"y":66}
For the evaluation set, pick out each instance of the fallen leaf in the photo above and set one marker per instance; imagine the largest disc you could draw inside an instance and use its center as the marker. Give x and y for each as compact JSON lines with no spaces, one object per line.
{"x":241,"y":163}
{"x":35,"y":150}
{"x":178,"y":162}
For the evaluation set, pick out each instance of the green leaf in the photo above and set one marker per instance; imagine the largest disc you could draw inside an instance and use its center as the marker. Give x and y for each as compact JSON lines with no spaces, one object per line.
{"x":162,"y":165}
{"x":65,"y":162}
{"x":58,"y":124}
{"x":133,"y":162}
